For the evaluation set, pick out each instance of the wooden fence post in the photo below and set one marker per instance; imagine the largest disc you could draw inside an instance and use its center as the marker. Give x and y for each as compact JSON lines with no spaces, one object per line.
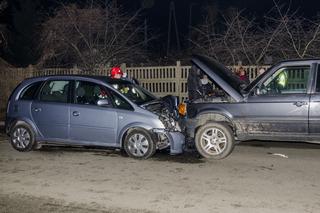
{"x":123,"y":67}
{"x":178,"y":78}
{"x":30,"y":71}
{"x":75,"y":70}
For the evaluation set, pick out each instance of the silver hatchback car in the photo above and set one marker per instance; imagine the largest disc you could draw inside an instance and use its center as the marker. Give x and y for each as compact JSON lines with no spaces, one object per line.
{"x":92,"y":111}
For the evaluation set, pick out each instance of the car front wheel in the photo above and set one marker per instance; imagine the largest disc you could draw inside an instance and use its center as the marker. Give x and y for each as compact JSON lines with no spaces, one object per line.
{"x":139,"y":144}
{"x":214,"y":140}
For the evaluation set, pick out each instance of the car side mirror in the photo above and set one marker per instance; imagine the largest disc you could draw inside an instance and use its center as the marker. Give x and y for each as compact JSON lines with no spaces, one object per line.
{"x":103,"y":103}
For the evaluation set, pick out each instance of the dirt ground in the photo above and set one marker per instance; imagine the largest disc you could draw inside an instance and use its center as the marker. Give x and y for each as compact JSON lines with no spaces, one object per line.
{"x":81,"y":180}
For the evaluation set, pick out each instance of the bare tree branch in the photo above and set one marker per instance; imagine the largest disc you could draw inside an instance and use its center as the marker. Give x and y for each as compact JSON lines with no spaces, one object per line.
{"x":91,"y":36}
{"x":283,"y":34}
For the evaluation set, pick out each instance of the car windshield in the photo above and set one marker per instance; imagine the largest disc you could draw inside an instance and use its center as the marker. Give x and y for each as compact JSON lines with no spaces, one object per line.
{"x":134,"y":92}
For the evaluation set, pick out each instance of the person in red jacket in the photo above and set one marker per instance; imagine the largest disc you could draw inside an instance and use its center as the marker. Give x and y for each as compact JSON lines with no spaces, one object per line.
{"x":116,"y":72}
{"x":243,"y":76}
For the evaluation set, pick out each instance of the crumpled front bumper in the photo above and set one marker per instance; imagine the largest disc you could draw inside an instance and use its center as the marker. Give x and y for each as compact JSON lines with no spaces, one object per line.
{"x":176,"y":139}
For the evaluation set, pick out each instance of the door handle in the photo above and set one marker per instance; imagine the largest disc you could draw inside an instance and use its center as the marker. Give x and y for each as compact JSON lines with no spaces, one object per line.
{"x":37,"y":109}
{"x":76,"y":113}
{"x":300,"y":103}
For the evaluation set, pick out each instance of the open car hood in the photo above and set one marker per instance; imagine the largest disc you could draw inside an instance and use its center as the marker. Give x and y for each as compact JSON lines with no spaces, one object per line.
{"x":221,"y":75}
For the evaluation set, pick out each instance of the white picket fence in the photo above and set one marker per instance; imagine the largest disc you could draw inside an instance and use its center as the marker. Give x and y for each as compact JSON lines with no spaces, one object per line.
{"x":160,"y":80}
{"x":173,"y":79}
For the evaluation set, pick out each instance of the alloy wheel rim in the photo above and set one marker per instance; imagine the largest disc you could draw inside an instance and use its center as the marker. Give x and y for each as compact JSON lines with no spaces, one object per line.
{"x":21,"y":138}
{"x":213,"y":141}
{"x":138,"y":145}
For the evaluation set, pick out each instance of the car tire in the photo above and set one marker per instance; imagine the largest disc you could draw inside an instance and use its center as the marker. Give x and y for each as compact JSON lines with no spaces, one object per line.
{"x":22,"y":138}
{"x":214,"y":140}
{"x":139,"y":144}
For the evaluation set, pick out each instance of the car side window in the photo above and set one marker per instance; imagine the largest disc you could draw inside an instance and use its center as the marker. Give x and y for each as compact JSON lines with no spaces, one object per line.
{"x":30,"y":91}
{"x":55,"y":91}
{"x":89,"y":93}
{"x":287,"y":80}
{"x":119,"y":102}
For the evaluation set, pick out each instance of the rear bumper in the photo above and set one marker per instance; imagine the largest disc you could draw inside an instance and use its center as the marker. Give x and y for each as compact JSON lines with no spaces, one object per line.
{"x":7,"y":124}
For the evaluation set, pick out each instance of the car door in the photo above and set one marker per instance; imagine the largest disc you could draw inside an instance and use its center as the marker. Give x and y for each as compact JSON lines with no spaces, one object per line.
{"x":50,"y":111}
{"x":280,"y":105}
{"x":90,"y":123}
{"x":127,"y":116}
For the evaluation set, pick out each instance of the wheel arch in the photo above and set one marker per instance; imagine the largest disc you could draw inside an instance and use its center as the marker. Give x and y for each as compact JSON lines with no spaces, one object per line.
{"x":124,"y":131}
{"x":25,"y":121}
{"x":207,"y":116}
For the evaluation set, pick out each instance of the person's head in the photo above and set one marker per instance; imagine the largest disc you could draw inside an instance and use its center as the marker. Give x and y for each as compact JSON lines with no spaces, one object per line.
{"x":238,"y":70}
{"x":116,"y":72}
{"x":204,"y":79}
{"x":242,"y":71}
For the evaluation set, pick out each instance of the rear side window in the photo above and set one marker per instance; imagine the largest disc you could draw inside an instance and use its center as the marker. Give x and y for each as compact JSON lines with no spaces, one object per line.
{"x":55,"y":91}
{"x":30,"y":91}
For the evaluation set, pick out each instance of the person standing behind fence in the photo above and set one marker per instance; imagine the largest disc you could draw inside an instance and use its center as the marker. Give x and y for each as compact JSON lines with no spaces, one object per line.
{"x":243,"y":76}
{"x":116,"y":73}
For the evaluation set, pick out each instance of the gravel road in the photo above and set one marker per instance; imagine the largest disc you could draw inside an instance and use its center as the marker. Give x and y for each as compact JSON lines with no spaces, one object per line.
{"x":60,"y":179}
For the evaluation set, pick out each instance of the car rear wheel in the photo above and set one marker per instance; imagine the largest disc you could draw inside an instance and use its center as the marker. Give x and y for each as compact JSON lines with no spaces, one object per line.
{"x":22,"y":138}
{"x":214,"y":140}
{"x":139,"y":144}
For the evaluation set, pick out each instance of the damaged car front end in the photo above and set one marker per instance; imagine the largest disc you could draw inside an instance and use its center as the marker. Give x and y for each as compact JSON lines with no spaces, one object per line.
{"x":91,"y":111}
{"x":280,"y":104}
{"x":171,"y":136}
{"x":165,"y":108}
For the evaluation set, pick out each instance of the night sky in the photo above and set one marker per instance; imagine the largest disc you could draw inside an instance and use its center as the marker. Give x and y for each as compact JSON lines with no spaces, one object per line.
{"x":158,"y":13}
